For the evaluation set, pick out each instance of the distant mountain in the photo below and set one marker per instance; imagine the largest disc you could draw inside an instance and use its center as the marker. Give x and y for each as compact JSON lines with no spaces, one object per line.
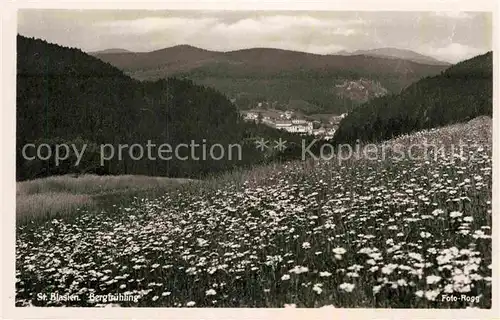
{"x":67,"y":96}
{"x":396,"y":53}
{"x":461,"y":93}
{"x":170,"y":60}
{"x":264,"y":74}
{"x":112,"y":50}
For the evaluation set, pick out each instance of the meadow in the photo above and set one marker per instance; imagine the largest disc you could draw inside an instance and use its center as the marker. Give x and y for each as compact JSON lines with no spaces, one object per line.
{"x":61,"y":196}
{"x":372,"y":234}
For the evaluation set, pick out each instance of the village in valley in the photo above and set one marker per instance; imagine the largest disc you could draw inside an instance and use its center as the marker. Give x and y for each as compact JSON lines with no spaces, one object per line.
{"x":322,"y":126}
{"x":290,"y":116}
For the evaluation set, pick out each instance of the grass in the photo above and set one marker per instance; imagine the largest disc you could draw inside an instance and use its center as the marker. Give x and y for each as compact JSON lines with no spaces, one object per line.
{"x":360,"y":233}
{"x":60,"y":196}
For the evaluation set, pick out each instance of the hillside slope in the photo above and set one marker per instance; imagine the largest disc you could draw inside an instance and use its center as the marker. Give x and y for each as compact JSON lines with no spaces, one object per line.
{"x":460,"y":93}
{"x":262,"y":74}
{"x":357,"y":234}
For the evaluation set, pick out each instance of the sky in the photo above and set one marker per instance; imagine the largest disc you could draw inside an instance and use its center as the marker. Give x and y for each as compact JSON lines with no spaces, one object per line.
{"x":447,"y":36}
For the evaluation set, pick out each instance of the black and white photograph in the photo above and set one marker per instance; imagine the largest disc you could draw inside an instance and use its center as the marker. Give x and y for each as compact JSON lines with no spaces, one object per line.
{"x":253,"y":159}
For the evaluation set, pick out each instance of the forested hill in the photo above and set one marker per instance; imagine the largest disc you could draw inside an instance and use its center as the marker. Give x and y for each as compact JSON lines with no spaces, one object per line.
{"x":36,"y":57}
{"x":67,"y":96}
{"x":460,"y":93}
{"x":65,"y":93}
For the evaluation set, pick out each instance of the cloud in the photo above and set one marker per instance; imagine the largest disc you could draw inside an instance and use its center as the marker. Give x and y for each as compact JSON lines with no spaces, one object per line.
{"x":154,"y":24}
{"x":294,"y":32}
{"x":344,"y":32}
{"x":447,"y":35}
{"x":453,"y":52}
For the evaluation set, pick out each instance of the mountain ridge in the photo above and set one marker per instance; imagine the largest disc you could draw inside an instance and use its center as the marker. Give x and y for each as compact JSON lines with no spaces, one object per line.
{"x":110,"y":50}
{"x":254,"y":75}
{"x":144,"y":59}
{"x":390,"y":52}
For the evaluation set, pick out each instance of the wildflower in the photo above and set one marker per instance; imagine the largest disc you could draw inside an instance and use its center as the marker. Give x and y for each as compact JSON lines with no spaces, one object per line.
{"x":388,"y":269}
{"x":437,"y":212}
{"x":480,"y":234}
{"x":432,"y":250}
{"x":371,"y":262}
{"x":419,"y":293}
{"x":425,"y":235}
{"x":455,"y":214}
{"x":415,"y":256}
{"x":201,"y":242}
{"x":347,"y":287}
{"x":299,"y":269}
{"x":448,"y":288}
{"x":285,"y":277}
{"x":463,"y":289}
{"x":355,"y":267}
{"x":339,"y":251}
{"x":210,"y":292}
{"x":324,"y":274}
{"x":433,"y":279}
{"x":432,"y":294}
{"x":190,"y":304}
{"x":402,"y":283}
{"x":317,"y":288}
{"x":306,"y":245}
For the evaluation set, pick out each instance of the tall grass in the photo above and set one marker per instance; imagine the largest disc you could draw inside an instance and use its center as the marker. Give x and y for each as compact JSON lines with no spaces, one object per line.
{"x":94,"y":184}
{"x":65,"y":195}
{"x":40,"y":206}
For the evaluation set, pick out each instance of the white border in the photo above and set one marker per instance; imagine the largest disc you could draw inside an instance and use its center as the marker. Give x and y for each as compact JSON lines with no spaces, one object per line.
{"x":7,"y":162}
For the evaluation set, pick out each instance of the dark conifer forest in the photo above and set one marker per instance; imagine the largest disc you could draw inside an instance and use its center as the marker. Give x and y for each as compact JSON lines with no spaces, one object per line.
{"x":458,"y":94}
{"x":67,"y":96}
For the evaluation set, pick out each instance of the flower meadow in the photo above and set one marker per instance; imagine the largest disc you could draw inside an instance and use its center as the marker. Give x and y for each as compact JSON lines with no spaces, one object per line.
{"x":372,"y":234}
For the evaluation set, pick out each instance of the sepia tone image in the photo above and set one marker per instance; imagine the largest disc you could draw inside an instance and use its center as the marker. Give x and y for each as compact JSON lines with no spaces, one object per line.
{"x":254,"y":159}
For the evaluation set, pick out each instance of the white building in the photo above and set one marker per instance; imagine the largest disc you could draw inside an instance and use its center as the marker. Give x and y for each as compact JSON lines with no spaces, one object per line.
{"x":295,"y":126}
